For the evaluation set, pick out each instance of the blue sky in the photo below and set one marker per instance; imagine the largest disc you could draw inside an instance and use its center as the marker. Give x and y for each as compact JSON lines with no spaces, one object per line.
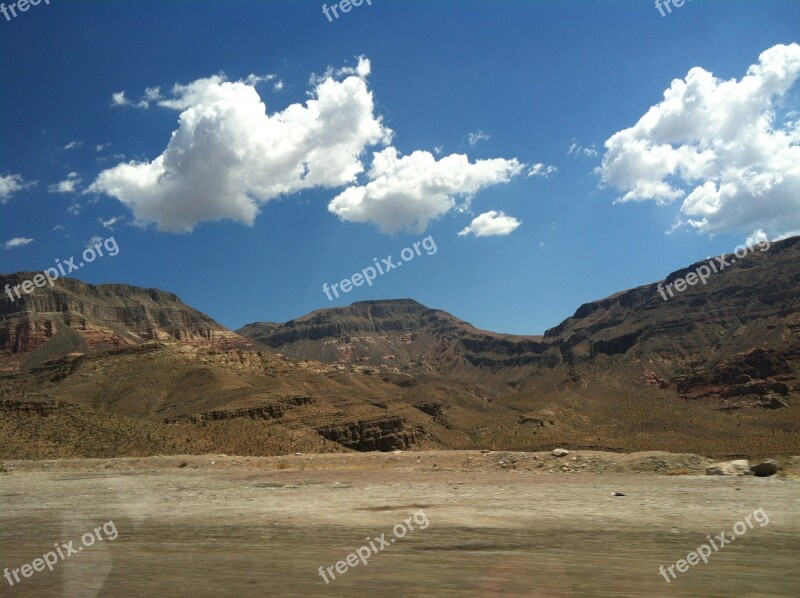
{"x":241,"y":228}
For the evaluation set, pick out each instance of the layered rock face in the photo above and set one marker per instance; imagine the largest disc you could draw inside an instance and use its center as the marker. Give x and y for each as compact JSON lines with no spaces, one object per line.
{"x":403,"y":333}
{"x":73,"y":316}
{"x":752,"y":304}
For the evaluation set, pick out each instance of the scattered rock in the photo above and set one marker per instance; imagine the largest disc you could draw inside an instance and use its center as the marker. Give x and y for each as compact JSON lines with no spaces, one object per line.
{"x":560,"y":452}
{"x":773,"y":401}
{"x":765,"y":468}
{"x":735,"y":468}
{"x":617,"y":494}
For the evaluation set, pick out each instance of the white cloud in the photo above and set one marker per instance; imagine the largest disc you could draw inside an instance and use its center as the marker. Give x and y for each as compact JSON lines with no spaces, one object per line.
{"x":151,"y":96}
{"x":93,"y":241}
{"x":362,"y":70}
{"x":542,"y":170}
{"x":119,"y":99}
{"x":278,"y":86}
{"x":722,"y":147}
{"x":73,"y":145}
{"x":109,"y":224}
{"x":99,"y":148}
{"x":477,"y":137}
{"x":409,"y":192}
{"x":17,"y":242}
{"x":10,"y":184}
{"x":575,"y":149}
{"x":58,"y":227}
{"x":228,"y":156}
{"x":69,"y":185}
{"x":490,"y":224}
{"x":255,"y":80}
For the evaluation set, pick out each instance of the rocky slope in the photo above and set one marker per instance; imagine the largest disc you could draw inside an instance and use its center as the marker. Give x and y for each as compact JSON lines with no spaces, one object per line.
{"x":713,"y":370}
{"x":751,"y":305}
{"x":73,"y":316}
{"x":402,"y":333}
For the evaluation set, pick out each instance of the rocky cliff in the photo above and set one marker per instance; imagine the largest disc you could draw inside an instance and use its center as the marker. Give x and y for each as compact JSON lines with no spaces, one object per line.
{"x":73,"y":316}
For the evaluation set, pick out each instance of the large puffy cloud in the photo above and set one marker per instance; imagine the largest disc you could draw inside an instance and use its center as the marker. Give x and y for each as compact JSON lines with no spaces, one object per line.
{"x":228,"y":156}
{"x":728,"y":149}
{"x":491,"y":224}
{"x":408,"y":192}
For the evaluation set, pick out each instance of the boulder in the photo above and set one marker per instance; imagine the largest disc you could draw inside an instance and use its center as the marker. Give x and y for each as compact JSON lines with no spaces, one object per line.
{"x":736,"y":468}
{"x":559,"y":452}
{"x":765,"y":468}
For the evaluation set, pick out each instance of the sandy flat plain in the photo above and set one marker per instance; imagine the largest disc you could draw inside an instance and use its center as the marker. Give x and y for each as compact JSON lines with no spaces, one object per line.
{"x":499,"y":524}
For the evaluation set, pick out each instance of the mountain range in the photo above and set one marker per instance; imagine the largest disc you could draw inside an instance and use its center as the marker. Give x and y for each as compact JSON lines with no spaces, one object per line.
{"x":115,"y":369}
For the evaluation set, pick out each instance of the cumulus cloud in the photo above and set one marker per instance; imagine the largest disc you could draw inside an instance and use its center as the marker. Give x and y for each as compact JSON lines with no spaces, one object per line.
{"x":17,"y":242}
{"x":542,"y":170}
{"x":726,"y":149}
{"x":10,"y":184}
{"x":408,"y":192}
{"x":491,"y":224}
{"x":228,"y":156}
{"x":68,"y":185}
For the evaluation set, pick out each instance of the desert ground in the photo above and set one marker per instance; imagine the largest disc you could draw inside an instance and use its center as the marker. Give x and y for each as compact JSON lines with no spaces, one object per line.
{"x":498,"y":524}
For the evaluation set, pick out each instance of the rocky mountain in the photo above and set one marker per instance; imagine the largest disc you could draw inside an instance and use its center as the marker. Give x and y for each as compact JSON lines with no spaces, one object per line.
{"x":750,"y":305}
{"x":73,"y":316}
{"x":119,"y":370}
{"x":402,"y":333}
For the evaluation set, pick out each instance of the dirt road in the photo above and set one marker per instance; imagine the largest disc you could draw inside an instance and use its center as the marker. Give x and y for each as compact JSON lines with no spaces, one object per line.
{"x":497,"y":525}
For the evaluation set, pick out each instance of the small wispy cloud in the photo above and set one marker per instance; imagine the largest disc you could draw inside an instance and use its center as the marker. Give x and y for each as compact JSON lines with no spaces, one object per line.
{"x":477,"y":137}
{"x":542,"y":170}
{"x":93,"y":241}
{"x":73,"y":145}
{"x":68,"y":185}
{"x":575,"y":149}
{"x":119,"y":99}
{"x":17,"y":242}
{"x":110,"y":222}
{"x":10,"y":184}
